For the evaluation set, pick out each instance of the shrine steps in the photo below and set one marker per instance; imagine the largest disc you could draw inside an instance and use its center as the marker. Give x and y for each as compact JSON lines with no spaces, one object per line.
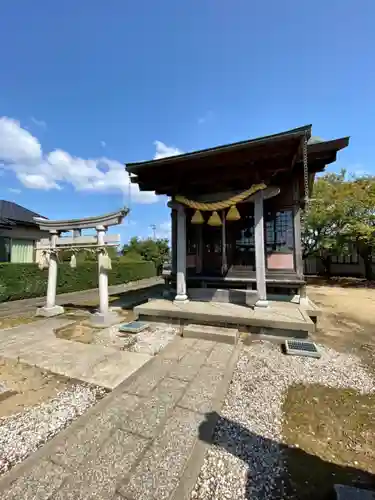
{"x":280,"y":320}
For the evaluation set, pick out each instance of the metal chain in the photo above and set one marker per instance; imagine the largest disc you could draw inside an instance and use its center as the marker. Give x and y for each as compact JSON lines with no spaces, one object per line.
{"x":305,"y":174}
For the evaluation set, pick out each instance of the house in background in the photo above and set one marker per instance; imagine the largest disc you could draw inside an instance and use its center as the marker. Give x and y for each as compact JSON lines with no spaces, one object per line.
{"x":18,"y":233}
{"x":349,"y":264}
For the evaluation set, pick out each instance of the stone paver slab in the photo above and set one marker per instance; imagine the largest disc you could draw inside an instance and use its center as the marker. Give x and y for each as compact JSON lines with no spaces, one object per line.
{"x":199,"y":396}
{"x":213,"y":333}
{"x":202,"y":345}
{"x":157,"y":474}
{"x":144,"y":384}
{"x":220,"y":356}
{"x":115,"y":368}
{"x":175,"y":350}
{"x":187,"y":368}
{"x":154,"y":411}
{"x":100,"y":365}
{"x":38,"y":484}
{"x":98,"y":476}
{"x":88,"y":438}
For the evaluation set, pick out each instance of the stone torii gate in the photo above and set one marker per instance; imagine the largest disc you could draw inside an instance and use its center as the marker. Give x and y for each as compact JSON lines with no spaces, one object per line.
{"x":78,"y":242}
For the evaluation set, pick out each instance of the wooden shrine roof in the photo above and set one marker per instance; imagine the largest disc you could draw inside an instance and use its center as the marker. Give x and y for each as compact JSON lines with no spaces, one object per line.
{"x":233,"y":166}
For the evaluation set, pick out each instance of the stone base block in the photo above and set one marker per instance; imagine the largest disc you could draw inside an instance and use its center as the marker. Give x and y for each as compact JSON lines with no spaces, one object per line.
{"x":49,"y":311}
{"x":214,"y":333}
{"x":181,"y":299}
{"x":100,"y":320}
{"x":261,"y":303}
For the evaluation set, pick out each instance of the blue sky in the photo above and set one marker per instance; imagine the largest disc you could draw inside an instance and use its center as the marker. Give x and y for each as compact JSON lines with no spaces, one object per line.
{"x":87,"y":86}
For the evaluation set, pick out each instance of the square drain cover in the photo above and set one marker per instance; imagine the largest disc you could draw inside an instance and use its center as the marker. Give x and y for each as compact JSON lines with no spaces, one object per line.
{"x":302,"y":348}
{"x":133,"y":327}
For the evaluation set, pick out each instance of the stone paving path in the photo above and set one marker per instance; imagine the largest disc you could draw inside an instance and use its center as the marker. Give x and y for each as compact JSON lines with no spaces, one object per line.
{"x":142,"y":440}
{"x":36,"y":344}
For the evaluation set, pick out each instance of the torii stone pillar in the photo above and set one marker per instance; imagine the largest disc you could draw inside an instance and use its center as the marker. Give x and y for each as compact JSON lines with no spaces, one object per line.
{"x":103,"y":274}
{"x":51,"y":309}
{"x":104,"y":316}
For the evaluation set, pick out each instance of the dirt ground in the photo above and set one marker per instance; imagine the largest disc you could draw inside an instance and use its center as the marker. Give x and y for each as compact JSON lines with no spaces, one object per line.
{"x":347,"y":323}
{"x":10,"y":322}
{"x":26,"y":386}
{"x":334,"y":427}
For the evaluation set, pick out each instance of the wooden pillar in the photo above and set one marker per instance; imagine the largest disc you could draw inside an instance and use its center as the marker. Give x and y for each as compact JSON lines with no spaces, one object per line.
{"x":181,"y":295}
{"x":199,"y":236}
{"x":260,"y":261}
{"x":298,"y":262}
{"x":174,"y":240}
{"x":224,"y":263}
{"x":298,"y":257}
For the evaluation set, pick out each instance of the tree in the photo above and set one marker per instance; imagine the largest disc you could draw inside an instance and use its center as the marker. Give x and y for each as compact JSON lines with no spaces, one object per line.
{"x":360,"y":228}
{"x":324,"y":221}
{"x":149,"y":249}
{"x":341,"y":216}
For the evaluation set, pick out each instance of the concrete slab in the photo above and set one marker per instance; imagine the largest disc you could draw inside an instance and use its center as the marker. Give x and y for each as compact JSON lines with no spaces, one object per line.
{"x":95,"y":364}
{"x":157,"y":474}
{"x":278,"y":315}
{"x":344,"y":492}
{"x":98,"y":478}
{"x":40,"y":482}
{"x":152,"y":413}
{"x":213,"y":333}
{"x":136,"y":446}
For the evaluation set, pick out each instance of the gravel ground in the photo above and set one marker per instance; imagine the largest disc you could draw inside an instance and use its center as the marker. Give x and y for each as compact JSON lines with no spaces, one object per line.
{"x":25,"y":432}
{"x":154,"y":339}
{"x":246,"y":461}
{"x":149,"y":341}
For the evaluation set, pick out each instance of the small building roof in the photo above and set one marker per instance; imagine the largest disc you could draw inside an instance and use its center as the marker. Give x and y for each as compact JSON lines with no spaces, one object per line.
{"x":234,"y":165}
{"x":12,"y":214}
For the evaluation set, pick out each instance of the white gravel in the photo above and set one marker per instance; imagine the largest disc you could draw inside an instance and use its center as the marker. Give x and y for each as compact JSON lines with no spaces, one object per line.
{"x":154,"y":338}
{"x":25,"y":432}
{"x":149,"y":341}
{"x":246,"y":460}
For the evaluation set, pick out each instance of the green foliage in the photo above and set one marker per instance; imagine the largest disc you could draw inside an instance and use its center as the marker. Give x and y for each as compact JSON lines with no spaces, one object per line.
{"x":156,"y":251}
{"x":341,"y":216}
{"x":131,"y":257}
{"x":85,"y":255}
{"x":21,"y":281}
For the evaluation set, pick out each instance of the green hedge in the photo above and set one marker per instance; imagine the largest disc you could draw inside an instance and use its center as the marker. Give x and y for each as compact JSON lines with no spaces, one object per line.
{"x":23,"y":281}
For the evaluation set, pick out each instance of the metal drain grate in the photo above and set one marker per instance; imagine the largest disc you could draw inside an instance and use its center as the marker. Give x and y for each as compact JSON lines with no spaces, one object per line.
{"x":133,"y":327}
{"x":302,"y":348}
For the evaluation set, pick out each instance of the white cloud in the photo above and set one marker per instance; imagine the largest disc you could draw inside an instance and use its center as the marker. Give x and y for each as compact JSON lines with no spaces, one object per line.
{"x":14,"y":190}
{"x":103,"y":144}
{"x":162,"y":150}
{"x":22,"y":153}
{"x":17,"y":145}
{"x":39,"y":123}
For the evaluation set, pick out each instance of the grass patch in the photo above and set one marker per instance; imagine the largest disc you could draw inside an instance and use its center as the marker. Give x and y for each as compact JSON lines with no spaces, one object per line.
{"x":330,"y":435}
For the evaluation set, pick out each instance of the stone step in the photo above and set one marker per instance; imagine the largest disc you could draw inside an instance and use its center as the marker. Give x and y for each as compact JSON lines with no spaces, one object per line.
{"x":214,"y":333}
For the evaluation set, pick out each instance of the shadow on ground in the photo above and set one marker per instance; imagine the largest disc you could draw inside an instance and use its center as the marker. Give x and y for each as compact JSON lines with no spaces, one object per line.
{"x":306,"y":477}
